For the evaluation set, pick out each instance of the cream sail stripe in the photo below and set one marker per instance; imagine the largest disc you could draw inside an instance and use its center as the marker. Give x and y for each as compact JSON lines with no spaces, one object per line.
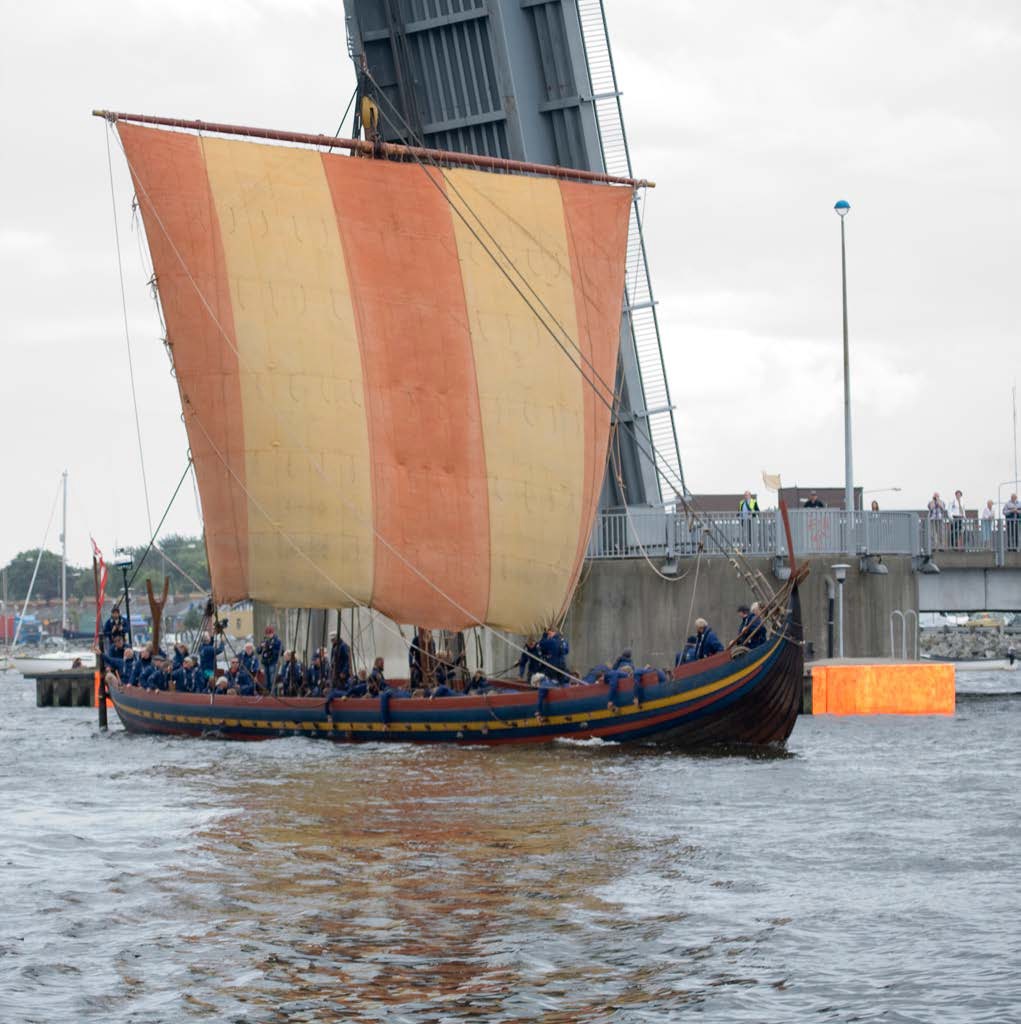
{"x":257,"y":227}
{"x":312,"y":461}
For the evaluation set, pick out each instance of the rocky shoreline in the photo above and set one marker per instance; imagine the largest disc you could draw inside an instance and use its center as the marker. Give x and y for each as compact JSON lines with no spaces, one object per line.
{"x":962,"y":644}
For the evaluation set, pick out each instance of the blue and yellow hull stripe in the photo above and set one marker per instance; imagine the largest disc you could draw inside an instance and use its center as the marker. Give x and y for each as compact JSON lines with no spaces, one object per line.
{"x":580,"y":712}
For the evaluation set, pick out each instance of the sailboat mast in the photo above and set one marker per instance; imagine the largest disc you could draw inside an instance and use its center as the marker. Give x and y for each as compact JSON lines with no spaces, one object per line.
{"x":63,"y":563}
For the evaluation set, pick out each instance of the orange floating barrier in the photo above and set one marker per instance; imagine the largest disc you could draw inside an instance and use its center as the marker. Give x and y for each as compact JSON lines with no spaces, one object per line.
{"x":97,"y":679}
{"x":882,"y":689}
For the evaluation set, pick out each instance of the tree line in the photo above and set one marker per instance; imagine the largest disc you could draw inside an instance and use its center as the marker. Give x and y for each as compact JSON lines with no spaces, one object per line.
{"x":188,"y":552}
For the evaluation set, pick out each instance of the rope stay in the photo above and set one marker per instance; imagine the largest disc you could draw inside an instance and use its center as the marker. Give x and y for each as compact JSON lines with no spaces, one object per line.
{"x":127,"y":335}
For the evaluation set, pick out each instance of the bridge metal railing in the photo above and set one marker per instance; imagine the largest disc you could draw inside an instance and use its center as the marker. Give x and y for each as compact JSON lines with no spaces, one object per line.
{"x":971,"y":535}
{"x":658,"y":532}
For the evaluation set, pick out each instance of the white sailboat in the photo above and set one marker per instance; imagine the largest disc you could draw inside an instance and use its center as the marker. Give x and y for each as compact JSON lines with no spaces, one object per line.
{"x":63,"y":656}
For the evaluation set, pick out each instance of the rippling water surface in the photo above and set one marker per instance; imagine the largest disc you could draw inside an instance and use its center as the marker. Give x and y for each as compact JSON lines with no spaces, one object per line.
{"x":870,"y":874}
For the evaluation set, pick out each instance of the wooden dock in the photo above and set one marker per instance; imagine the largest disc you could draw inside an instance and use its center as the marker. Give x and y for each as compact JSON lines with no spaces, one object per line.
{"x":71,"y":688}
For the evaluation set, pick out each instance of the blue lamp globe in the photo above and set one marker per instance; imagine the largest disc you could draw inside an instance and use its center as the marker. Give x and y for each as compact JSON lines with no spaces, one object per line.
{"x":842,"y":207}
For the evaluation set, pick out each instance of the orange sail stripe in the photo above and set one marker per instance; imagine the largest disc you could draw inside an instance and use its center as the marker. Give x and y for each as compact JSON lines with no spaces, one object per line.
{"x":597,"y":225}
{"x":181,"y":227}
{"x":429,"y":485}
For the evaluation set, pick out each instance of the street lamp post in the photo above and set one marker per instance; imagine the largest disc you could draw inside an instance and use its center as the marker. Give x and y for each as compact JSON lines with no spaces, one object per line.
{"x":840,"y":573}
{"x":123,"y":560}
{"x":843,"y":207}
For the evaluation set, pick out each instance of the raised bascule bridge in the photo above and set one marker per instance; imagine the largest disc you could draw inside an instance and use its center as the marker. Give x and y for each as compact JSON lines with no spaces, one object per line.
{"x":534,"y":82}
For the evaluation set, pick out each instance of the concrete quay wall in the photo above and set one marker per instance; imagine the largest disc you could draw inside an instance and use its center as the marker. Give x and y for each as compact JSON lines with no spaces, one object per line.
{"x":623,"y":603}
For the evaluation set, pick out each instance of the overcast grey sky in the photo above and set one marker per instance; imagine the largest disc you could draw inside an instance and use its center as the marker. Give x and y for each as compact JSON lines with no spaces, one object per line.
{"x":753,"y":119}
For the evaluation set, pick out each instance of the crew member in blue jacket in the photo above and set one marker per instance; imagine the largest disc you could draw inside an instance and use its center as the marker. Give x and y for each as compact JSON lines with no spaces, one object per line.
{"x":554,"y":650}
{"x":624,"y":659}
{"x":269,"y":655}
{"x":291,"y":677}
{"x":315,"y":676}
{"x":529,"y":662}
{"x":250,"y":663}
{"x":688,"y":654}
{"x":377,"y":675}
{"x":754,"y":631}
{"x":188,"y":678}
{"x":340,"y":659}
{"x":208,"y":652}
{"x":707,"y":642}
{"x":180,"y":653}
{"x":114,"y":626}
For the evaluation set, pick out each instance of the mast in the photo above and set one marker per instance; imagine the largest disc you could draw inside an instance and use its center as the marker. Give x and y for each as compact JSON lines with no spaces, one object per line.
{"x":63,"y":561}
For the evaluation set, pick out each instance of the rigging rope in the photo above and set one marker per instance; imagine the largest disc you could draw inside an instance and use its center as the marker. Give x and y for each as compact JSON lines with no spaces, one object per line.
{"x":127,"y":334}
{"x":155,"y":534}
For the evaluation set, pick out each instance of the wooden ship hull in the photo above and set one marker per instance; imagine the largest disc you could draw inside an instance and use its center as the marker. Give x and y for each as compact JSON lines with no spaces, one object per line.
{"x":740,"y":697}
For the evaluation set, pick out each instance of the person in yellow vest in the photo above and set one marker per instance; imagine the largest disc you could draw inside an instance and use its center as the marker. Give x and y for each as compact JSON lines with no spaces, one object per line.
{"x":748,"y":511}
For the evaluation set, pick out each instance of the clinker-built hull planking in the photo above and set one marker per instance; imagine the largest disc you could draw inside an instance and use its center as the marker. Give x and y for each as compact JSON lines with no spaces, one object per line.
{"x":751,"y":698}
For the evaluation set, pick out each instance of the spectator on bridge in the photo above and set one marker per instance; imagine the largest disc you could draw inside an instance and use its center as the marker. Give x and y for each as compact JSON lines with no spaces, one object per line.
{"x":957,"y":520}
{"x":987,"y":517}
{"x":814,"y":501}
{"x":875,"y":506}
{"x":747,"y":511}
{"x":937,"y":519}
{"x":1012,"y":520}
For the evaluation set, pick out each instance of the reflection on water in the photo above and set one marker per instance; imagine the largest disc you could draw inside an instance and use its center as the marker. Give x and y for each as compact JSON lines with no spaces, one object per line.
{"x":869,"y":874}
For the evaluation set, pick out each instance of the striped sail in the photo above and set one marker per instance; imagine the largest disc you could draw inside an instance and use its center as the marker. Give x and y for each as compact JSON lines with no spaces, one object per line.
{"x":375,"y":414}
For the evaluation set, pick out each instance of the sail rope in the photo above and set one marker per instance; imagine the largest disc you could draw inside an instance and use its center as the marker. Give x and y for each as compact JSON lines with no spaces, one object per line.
{"x":315,"y":464}
{"x":127,"y":335}
{"x":347,"y":110}
{"x":694,"y":590}
{"x":619,"y":474}
{"x":651,"y":453}
{"x":155,"y":533}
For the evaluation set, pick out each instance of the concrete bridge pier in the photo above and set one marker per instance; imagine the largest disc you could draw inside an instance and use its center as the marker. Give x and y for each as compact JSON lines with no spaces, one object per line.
{"x":623,"y":603}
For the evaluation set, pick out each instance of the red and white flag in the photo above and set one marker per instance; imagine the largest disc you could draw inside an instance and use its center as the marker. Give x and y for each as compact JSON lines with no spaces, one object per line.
{"x":100,"y":585}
